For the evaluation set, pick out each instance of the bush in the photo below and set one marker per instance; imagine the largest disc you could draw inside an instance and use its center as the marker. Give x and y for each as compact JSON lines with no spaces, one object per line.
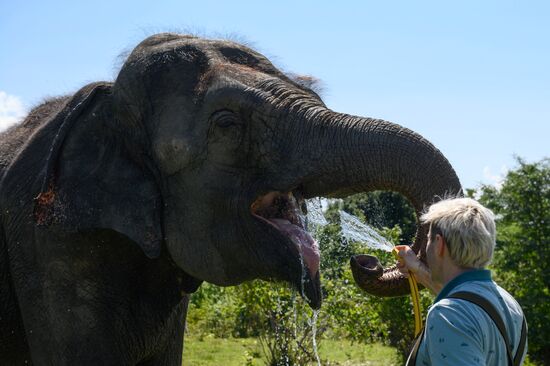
{"x":522,"y":208}
{"x":273,"y":312}
{"x":212,"y":311}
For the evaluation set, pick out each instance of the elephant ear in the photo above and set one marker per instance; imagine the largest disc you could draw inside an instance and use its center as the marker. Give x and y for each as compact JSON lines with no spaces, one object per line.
{"x":90,"y":181}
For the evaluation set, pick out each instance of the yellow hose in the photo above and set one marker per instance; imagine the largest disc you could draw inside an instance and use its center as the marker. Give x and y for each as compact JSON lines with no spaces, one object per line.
{"x":415,"y":298}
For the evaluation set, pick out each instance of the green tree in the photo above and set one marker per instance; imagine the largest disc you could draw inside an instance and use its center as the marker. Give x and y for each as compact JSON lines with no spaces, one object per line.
{"x":384,"y":209}
{"x":522,"y":208}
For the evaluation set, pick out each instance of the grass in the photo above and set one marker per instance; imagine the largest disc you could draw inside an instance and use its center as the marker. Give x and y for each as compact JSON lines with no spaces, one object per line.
{"x":210,"y":351}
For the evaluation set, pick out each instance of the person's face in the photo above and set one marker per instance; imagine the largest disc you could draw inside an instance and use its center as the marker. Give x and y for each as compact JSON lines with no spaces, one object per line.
{"x":432,"y":259}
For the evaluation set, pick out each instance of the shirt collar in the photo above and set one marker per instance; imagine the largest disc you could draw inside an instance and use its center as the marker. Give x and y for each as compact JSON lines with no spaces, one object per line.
{"x":473,"y":275}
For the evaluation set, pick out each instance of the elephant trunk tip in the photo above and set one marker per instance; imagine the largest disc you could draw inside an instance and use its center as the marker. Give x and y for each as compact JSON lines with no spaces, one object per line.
{"x":370,"y":276}
{"x":366,"y":265}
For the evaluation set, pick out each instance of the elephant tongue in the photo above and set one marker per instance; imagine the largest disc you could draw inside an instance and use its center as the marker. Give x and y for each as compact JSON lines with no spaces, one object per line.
{"x":306,"y":244}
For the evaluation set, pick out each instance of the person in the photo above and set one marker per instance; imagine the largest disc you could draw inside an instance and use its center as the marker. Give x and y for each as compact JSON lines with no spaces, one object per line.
{"x":461,"y":241}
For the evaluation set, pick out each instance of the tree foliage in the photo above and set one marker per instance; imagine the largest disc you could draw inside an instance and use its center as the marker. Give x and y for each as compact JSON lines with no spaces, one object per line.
{"x":384,"y":209}
{"x":522,"y":208}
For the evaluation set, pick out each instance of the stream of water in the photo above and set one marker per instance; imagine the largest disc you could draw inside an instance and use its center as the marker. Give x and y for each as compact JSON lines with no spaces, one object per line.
{"x":314,"y":335}
{"x":352,"y":230}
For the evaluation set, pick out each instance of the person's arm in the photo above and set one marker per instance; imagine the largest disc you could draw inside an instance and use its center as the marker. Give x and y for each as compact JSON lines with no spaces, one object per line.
{"x":410,"y":262}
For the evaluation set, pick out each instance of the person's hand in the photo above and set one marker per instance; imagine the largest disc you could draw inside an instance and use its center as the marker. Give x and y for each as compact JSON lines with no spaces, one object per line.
{"x":408,"y":261}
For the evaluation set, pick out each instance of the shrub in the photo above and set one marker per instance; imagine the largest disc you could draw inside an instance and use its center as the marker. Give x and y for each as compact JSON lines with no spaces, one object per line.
{"x":522,"y":207}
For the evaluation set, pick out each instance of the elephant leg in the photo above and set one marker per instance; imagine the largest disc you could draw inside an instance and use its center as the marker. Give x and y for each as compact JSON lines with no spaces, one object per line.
{"x":86,"y":334}
{"x":68,"y":341}
{"x":89,"y":324}
{"x":171,"y":355}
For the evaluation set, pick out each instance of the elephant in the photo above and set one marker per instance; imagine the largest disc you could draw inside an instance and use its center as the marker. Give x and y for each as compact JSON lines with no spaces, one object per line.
{"x":193,"y":165}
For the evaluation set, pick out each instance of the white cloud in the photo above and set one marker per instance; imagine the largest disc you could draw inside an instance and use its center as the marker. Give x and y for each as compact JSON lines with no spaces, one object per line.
{"x":12,"y":110}
{"x":494,"y":179}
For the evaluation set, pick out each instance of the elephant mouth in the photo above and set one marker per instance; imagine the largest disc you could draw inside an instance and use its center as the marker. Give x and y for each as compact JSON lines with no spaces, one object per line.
{"x":286,"y":213}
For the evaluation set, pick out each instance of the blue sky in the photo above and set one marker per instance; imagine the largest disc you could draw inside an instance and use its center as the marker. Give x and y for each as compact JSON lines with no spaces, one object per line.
{"x":473,"y":77}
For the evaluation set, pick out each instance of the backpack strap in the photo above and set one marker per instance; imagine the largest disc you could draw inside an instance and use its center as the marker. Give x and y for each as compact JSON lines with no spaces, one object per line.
{"x":497,"y":319}
{"x":411,"y":360}
{"x":522,"y":341}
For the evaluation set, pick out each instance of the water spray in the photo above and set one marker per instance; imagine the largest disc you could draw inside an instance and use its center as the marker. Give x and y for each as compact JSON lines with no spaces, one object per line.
{"x":355,"y":230}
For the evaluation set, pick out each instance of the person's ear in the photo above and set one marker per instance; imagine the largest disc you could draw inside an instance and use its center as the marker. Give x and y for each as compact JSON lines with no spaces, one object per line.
{"x":440,"y":245}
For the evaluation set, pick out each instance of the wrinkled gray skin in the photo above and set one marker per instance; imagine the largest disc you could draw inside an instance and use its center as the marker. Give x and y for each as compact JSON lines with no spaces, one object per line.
{"x":118,"y":201}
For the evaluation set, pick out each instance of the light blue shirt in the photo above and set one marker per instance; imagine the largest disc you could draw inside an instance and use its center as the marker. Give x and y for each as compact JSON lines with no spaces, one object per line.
{"x":459,"y":332}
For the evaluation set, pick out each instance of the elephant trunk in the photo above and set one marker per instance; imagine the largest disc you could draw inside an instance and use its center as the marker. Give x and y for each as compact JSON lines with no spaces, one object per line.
{"x":348,"y":154}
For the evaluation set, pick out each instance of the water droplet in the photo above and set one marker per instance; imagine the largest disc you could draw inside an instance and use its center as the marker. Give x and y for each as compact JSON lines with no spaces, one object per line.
{"x":353,"y":229}
{"x":314,"y":335}
{"x":315,"y":217}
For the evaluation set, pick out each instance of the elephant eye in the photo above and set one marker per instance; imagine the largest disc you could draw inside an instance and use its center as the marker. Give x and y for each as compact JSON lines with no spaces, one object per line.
{"x":224,"y":118}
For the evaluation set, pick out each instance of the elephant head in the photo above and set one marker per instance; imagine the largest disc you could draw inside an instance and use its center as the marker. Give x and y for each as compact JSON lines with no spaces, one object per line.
{"x":203,"y":149}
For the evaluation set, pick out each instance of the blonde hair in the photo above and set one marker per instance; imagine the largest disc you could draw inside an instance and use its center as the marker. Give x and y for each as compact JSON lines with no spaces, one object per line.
{"x":468,"y":229}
